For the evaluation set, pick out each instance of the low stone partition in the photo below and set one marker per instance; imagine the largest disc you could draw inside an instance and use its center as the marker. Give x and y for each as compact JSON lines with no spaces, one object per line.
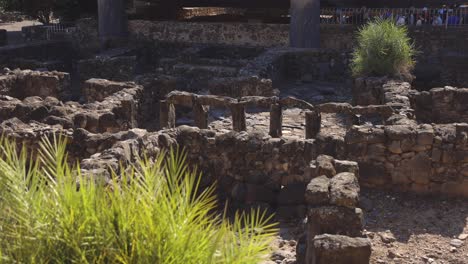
{"x":97,"y":90}
{"x":441,"y":105}
{"x":335,"y":223}
{"x":25,"y":83}
{"x":242,"y":86}
{"x":426,"y":159}
{"x":200,"y":104}
{"x":117,"y":112}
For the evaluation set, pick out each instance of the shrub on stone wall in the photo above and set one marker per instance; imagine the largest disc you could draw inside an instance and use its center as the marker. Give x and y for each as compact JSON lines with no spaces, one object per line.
{"x":153,"y":213}
{"x":383,"y":49}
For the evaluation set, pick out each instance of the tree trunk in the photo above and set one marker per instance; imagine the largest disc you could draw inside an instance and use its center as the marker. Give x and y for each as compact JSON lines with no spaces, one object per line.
{"x":305,"y":24}
{"x":112,"y":20}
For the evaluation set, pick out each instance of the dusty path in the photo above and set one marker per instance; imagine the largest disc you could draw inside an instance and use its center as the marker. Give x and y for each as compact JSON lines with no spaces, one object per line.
{"x":14,"y":30}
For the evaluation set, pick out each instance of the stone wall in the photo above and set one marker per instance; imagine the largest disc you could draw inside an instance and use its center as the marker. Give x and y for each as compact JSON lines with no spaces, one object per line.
{"x":26,"y":83}
{"x":335,"y":223}
{"x":97,"y":90}
{"x":423,"y":159}
{"x":441,"y":105}
{"x":119,"y":69}
{"x":406,"y":155}
{"x":117,"y":112}
{"x":443,"y":51}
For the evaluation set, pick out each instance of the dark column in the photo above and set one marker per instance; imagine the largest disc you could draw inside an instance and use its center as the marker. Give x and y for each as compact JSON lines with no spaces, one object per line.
{"x":305,"y":24}
{"x":238,"y":117}
{"x":276,"y":121}
{"x":313,"y":122}
{"x":112,"y":21}
{"x":200,"y":114}
{"x":166,"y":115}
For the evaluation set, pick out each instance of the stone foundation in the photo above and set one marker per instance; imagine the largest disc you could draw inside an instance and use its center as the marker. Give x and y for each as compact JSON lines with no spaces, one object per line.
{"x":442,"y":105}
{"x":22,"y":84}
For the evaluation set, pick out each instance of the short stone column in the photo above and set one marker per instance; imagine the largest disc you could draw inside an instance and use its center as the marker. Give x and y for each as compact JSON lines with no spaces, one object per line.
{"x":238,"y":117}
{"x":167,"y":115}
{"x":333,"y":215}
{"x":200,"y":115}
{"x":276,"y":121}
{"x":313,"y":123}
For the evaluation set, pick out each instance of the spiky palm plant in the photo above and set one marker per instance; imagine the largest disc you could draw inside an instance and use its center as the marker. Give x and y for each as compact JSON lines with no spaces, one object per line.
{"x":383,"y":49}
{"x":154,"y":212}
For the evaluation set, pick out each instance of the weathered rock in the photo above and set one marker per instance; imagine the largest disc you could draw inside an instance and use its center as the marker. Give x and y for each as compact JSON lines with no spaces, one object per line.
{"x":325,"y":166}
{"x":99,"y":89}
{"x":344,"y":190}
{"x":337,"y":249}
{"x":318,"y":192}
{"x":335,"y":220}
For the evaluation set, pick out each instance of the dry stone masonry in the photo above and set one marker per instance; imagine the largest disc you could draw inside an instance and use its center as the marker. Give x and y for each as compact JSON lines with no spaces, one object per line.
{"x":283,"y":129}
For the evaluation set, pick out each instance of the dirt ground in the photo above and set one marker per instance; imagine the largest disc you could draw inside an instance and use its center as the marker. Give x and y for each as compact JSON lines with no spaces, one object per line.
{"x":403,"y":229}
{"x":412,"y":229}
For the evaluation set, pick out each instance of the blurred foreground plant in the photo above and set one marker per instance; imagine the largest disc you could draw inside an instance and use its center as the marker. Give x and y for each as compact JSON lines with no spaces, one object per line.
{"x":154,"y":212}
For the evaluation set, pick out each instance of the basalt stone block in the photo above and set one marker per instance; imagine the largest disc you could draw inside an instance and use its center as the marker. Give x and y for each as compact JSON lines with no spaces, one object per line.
{"x":417,"y":169}
{"x":399,"y":132}
{"x":344,"y":190}
{"x":335,"y":220}
{"x":327,"y":249}
{"x":317,"y":192}
{"x":347,"y":166}
{"x":325,"y":166}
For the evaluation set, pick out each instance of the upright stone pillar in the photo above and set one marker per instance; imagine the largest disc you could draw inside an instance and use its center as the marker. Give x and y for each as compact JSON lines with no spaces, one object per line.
{"x":305,"y":24}
{"x":238,"y":117}
{"x":276,"y":121}
{"x":200,"y":113}
{"x":112,"y":21}
{"x":313,"y":122}
{"x":167,"y":116}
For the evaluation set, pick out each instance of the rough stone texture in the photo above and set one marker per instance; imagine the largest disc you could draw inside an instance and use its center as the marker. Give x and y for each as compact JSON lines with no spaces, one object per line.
{"x":344,"y":190}
{"x":96,"y":90}
{"x":441,"y":60}
{"x":119,"y":69}
{"x":419,"y":158}
{"x":117,"y":112}
{"x":341,"y":250}
{"x":242,"y":86}
{"x":441,"y":105}
{"x":22,"y":84}
{"x":318,"y":192}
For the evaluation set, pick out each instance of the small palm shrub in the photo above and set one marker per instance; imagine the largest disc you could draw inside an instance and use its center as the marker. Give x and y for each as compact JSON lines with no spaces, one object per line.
{"x":383,"y":49}
{"x":154,"y":212}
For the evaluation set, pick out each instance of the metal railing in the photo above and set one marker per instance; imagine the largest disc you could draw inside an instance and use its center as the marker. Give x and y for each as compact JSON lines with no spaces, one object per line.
{"x":54,"y":29}
{"x":447,"y":17}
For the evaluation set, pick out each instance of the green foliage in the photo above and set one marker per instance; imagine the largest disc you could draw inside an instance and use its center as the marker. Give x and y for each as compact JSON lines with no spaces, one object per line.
{"x":383,"y":49}
{"x":153,"y":213}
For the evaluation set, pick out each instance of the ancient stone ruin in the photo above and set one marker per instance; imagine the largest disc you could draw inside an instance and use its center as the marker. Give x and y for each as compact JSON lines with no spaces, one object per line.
{"x":284,"y":129}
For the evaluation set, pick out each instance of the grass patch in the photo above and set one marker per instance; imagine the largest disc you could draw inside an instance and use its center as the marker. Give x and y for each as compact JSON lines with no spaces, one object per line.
{"x":154,"y":212}
{"x":383,"y":49}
